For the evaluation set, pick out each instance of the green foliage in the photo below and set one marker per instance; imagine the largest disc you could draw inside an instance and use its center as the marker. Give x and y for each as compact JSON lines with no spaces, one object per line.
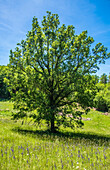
{"x":49,"y":72}
{"x":100,"y":86}
{"x":104,"y":78}
{"x":100,"y":102}
{"x":109,"y":78}
{"x":107,"y":96}
{"x":87,"y":92}
{"x":102,"y":99}
{"x":4,"y":93}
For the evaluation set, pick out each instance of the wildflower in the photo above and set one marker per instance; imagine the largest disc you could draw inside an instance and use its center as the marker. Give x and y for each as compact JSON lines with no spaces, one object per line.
{"x":78,"y":156}
{"x":27,"y":149}
{"x":55,"y":166}
{"x":12,"y":150}
{"x":105,"y":157}
{"x":77,"y":167}
{"x":79,"y":151}
{"x":71,"y":155}
{"x":82,"y":157}
{"x":62,"y":165}
{"x":92,"y":164}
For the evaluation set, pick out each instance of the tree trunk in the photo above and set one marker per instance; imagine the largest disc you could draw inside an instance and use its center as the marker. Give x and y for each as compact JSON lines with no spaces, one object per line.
{"x":52,"y":124}
{"x":52,"y":108}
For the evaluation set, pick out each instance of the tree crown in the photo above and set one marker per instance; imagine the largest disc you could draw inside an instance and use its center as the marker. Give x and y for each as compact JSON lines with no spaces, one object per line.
{"x":47,"y":68}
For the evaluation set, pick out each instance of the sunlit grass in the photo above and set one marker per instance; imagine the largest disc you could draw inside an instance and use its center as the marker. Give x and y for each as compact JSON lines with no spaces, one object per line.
{"x":28,"y":147}
{"x":99,"y":124}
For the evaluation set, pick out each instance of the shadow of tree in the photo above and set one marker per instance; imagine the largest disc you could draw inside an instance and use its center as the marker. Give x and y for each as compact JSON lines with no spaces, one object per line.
{"x":4,"y":99}
{"x":74,"y":136}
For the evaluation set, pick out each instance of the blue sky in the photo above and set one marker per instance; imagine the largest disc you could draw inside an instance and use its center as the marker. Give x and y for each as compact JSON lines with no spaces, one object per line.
{"x":16,"y":19}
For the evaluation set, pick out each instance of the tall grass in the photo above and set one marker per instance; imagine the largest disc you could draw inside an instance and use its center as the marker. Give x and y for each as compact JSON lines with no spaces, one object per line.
{"x":28,"y":147}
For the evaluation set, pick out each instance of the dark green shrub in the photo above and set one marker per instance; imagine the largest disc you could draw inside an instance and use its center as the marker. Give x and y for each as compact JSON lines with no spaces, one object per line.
{"x":100,"y":103}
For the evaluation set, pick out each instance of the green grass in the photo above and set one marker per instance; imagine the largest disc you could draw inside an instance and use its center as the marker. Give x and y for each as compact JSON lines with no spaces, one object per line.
{"x":99,"y":124}
{"x":29,"y":147}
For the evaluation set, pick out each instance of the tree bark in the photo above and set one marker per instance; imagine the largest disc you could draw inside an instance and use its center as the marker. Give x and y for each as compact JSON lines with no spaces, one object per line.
{"x":52,"y":106}
{"x":52,"y":124}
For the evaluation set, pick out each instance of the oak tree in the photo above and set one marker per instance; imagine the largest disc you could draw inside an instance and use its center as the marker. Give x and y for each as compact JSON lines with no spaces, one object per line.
{"x":49,"y":72}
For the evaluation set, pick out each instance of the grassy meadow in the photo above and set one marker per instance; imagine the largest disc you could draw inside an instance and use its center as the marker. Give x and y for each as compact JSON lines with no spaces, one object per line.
{"x":28,"y":147}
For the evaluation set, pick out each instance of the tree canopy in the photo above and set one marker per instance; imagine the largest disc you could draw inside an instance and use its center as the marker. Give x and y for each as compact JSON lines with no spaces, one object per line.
{"x":49,"y":72}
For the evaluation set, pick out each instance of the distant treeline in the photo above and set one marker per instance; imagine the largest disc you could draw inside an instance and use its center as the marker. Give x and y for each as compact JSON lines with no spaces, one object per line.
{"x":4,"y":93}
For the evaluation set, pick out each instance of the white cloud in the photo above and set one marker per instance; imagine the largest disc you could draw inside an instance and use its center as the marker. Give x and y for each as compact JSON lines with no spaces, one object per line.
{"x":5,"y":26}
{"x":101,"y":32}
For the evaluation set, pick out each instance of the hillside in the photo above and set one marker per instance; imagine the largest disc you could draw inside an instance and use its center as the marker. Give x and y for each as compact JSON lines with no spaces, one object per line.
{"x":30,"y":147}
